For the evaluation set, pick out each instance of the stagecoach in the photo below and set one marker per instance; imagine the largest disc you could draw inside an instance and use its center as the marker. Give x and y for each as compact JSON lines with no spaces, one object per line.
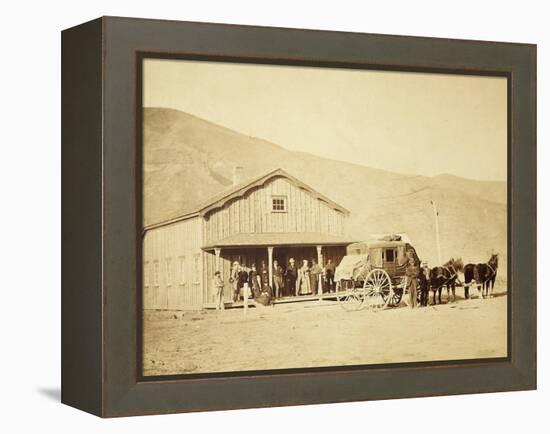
{"x":372,"y":274}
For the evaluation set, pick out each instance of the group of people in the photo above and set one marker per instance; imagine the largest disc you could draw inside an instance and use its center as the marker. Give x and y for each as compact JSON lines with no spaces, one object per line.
{"x":288,"y":281}
{"x":303,"y":280}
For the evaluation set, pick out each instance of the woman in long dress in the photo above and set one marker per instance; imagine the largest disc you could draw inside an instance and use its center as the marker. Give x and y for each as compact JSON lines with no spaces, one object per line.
{"x":316,"y":273}
{"x":304,"y":279}
{"x":254,"y":281}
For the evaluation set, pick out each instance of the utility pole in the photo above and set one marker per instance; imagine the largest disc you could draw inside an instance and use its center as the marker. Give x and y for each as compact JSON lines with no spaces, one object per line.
{"x":437,"y":241}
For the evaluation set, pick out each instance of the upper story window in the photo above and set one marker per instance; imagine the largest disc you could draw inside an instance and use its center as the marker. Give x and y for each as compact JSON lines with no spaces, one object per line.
{"x":278,"y":204}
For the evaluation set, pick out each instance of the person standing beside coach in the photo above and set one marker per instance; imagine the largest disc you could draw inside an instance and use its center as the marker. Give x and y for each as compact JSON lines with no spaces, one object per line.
{"x":411,"y":277}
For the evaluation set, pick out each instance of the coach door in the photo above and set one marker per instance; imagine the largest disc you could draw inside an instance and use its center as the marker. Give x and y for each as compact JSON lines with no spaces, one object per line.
{"x":376,"y":257}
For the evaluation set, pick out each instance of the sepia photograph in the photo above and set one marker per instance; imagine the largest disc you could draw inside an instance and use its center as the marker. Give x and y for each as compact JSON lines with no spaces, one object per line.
{"x":313,"y":217}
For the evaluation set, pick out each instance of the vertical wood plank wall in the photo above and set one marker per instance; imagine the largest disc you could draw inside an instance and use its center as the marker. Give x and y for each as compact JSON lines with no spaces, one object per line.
{"x":252,"y":213}
{"x":177,"y":273}
{"x":173,"y":266}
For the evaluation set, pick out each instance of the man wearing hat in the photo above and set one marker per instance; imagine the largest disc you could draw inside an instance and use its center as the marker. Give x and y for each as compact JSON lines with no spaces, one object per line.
{"x":424,"y":280}
{"x":277,"y":279}
{"x":243,"y":281}
{"x":291,"y":274}
{"x":330,"y":270}
{"x":411,"y":272}
{"x":218,"y":285}
{"x":234,"y":280}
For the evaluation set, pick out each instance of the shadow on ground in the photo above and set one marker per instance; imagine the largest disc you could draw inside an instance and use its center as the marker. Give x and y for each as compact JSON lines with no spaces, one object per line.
{"x":52,"y":393}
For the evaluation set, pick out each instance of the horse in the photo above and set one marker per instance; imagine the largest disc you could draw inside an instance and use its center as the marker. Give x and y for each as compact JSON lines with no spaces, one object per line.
{"x":484,"y":275}
{"x":423,"y":294}
{"x":445,"y":276}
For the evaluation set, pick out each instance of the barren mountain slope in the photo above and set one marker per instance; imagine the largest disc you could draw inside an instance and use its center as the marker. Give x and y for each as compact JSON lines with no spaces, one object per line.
{"x":188,"y":159}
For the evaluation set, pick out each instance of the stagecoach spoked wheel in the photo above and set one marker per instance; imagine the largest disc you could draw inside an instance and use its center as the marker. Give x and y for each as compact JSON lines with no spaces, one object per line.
{"x":395,"y":299}
{"x":378,"y":291}
{"x":352,"y":298}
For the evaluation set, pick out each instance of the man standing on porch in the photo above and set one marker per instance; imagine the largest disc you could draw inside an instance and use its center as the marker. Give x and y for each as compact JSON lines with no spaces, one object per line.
{"x":234,"y":280}
{"x":330,"y":269}
{"x":243,"y":280}
{"x":291,"y":274}
{"x":277,"y":279}
{"x":218,"y":285}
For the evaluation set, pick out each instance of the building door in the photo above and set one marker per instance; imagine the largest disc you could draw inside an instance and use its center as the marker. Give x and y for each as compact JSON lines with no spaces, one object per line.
{"x":280,"y":254}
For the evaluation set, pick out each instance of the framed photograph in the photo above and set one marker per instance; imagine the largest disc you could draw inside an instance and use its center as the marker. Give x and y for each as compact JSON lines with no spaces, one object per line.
{"x":262,"y":217}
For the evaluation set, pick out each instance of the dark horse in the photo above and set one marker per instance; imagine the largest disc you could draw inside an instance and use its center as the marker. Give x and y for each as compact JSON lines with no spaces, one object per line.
{"x":483,"y":275}
{"x":445,"y":276}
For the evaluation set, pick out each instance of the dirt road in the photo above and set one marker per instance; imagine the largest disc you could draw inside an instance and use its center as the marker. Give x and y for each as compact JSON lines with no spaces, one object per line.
{"x":314,"y":334}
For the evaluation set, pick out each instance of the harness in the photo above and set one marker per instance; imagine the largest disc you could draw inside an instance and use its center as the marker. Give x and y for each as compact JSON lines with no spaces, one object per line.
{"x":452,"y":276}
{"x":492,"y":274}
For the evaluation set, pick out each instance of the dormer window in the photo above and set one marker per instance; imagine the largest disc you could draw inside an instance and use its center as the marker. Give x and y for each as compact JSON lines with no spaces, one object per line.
{"x":278,"y":204}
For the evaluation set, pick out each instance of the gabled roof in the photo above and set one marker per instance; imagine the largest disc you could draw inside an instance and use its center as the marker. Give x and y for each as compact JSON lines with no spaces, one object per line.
{"x":239,"y":190}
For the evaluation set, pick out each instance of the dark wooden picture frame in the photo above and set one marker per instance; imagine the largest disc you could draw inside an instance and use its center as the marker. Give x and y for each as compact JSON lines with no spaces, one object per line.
{"x":101,"y":227}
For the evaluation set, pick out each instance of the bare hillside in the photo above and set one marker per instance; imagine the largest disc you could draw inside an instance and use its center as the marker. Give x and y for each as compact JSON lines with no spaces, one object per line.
{"x":188,"y":159}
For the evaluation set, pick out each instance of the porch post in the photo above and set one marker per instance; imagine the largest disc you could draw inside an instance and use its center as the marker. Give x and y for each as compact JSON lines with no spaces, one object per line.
{"x":320,"y":263}
{"x":217,"y":251}
{"x":270,"y":266}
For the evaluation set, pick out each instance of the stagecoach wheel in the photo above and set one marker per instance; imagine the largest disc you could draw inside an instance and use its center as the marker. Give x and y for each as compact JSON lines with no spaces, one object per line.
{"x":347,"y":295}
{"x":378,"y":291}
{"x":395,"y":299}
{"x":352,"y":301}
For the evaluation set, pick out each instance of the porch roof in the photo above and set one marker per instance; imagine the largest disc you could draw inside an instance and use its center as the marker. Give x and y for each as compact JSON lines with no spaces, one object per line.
{"x":274,"y":239}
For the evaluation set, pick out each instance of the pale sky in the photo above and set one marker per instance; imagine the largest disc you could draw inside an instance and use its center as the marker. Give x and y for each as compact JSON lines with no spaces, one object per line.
{"x":416,"y":123}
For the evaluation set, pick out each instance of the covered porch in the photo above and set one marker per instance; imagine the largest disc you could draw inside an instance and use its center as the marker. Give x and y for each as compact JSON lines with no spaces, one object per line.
{"x":253,"y":248}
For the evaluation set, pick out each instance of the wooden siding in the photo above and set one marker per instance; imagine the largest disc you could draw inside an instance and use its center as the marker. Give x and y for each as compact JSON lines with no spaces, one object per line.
{"x":252,"y":213}
{"x":173,"y":271}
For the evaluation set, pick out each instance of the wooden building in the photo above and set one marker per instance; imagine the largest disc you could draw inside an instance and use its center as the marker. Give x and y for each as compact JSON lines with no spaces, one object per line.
{"x":274,"y":216}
